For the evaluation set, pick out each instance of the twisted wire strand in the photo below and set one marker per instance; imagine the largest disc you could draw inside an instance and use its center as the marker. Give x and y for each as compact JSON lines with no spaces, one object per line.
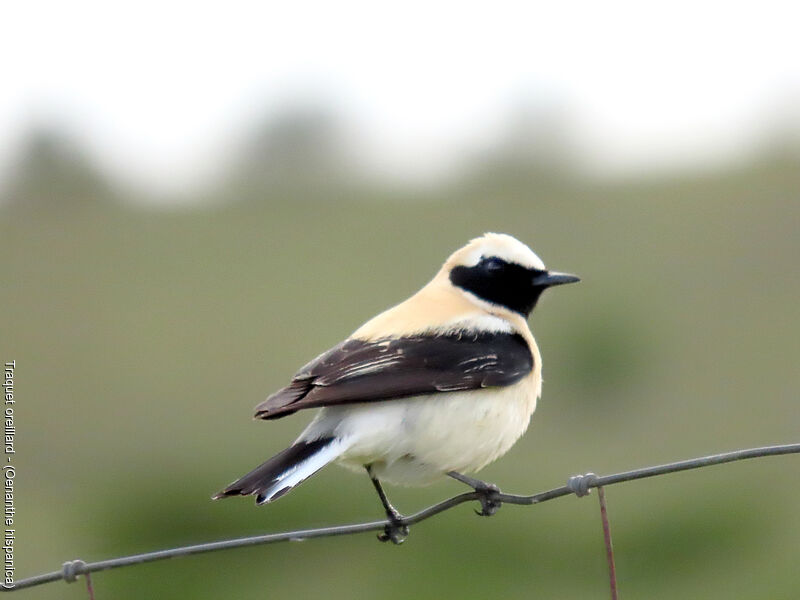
{"x":579,"y":485}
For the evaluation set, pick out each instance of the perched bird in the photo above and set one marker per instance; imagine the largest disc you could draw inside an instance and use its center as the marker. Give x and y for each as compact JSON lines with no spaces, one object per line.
{"x":441,"y":384}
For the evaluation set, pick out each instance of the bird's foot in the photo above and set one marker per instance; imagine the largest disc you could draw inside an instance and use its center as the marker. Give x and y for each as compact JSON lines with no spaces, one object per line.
{"x":488,"y":493}
{"x":488,"y":497}
{"x":395,"y":531}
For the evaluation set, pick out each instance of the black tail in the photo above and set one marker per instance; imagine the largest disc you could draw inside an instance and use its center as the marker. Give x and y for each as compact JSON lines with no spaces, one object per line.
{"x":285,"y":470}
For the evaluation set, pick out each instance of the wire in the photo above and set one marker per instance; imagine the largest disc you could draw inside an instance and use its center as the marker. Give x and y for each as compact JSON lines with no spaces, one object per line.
{"x":582,"y":483}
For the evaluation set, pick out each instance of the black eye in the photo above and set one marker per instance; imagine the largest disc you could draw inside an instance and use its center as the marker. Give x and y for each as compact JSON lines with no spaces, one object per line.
{"x":493,"y":265}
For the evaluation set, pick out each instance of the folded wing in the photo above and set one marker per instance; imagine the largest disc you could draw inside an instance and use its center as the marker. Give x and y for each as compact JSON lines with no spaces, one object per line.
{"x":364,"y":371}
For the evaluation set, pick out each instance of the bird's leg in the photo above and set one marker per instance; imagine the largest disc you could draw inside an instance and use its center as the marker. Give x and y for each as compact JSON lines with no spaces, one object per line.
{"x":487,"y":493}
{"x":396,"y":531}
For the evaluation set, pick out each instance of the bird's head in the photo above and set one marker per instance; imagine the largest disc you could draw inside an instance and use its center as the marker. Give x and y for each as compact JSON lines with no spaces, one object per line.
{"x":502,"y":271}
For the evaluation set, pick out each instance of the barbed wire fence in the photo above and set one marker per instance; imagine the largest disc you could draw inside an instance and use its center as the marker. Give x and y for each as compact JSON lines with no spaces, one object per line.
{"x":579,"y":485}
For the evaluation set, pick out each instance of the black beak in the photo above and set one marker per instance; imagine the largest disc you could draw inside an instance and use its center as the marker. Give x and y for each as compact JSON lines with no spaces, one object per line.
{"x":551,"y":278}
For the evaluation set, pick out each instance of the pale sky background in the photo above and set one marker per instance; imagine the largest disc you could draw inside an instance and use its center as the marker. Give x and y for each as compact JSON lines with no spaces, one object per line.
{"x":160,"y":92}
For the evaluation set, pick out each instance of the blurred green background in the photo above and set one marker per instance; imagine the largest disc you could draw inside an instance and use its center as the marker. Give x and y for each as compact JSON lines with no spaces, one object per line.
{"x":196,"y":199}
{"x":144,"y":337}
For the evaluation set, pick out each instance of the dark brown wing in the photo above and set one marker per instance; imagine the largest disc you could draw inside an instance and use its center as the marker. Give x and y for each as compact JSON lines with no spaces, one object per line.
{"x":365,"y":371}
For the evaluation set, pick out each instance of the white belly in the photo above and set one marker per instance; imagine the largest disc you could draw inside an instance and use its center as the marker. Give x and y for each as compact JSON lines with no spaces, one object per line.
{"x":417,"y":440}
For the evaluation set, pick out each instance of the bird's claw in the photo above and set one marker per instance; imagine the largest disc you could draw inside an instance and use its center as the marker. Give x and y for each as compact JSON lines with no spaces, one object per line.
{"x":396,"y":532}
{"x":487,"y":496}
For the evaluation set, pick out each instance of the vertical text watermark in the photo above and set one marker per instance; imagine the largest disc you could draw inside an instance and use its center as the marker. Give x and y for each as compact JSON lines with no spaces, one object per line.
{"x":9,"y":473}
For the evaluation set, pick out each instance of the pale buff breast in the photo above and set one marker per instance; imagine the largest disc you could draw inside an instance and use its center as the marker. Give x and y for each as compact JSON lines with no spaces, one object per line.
{"x":417,"y":440}
{"x":414,"y":441}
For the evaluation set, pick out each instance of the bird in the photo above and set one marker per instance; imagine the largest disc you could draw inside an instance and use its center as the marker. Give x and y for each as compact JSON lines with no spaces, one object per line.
{"x":439,"y":385}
